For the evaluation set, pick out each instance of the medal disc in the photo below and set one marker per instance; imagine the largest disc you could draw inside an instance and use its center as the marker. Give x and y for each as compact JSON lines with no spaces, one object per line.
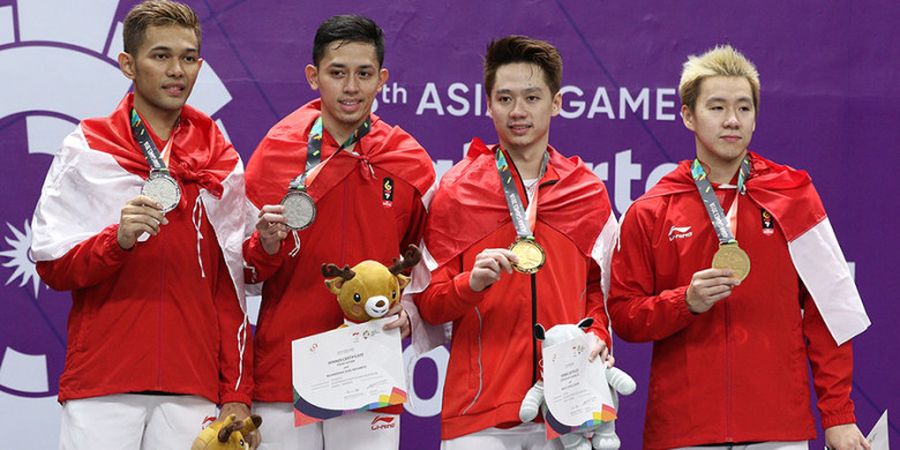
{"x":164,"y":189}
{"x":730,"y":256}
{"x":299,"y":209}
{"x":531,"y":255}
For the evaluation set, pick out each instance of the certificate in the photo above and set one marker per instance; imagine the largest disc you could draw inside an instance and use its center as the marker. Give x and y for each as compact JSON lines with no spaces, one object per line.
{"x":351,"y":369}
{"x":576,"y":391}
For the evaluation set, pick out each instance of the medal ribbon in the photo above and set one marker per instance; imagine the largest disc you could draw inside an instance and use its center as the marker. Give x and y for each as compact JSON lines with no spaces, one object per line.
{"x":156,"y":160}
{"x":314,"y":151}
{"x":523,"y":220}
{"x":723,"y":225}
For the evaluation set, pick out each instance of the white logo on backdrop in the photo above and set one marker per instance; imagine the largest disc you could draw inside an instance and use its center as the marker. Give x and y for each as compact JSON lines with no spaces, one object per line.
{"x":63,"y":56}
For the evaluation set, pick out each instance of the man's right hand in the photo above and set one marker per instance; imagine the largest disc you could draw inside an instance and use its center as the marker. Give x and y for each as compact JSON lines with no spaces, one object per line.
{"x":708,"y":287}
{"x":272,"y":227}
{"x":140,"y":215}
{"x":489,"y":265}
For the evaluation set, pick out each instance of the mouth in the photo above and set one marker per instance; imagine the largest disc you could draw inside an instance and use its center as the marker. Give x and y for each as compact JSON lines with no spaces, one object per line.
{"x":730,"y":138}
{"x":350,"y":105}
{"x":519,"y":129}
{"x":174,"y":89}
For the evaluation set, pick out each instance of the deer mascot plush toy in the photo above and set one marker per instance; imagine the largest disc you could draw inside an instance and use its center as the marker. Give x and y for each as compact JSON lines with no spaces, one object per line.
{"x":227,"y":434}
{"x":604,"y":434}
{"x":369,"y":289}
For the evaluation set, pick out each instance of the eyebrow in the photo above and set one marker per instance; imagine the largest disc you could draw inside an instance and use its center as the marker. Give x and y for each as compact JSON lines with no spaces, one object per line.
{"x":169,"y":49}
{"x":345,"y":66}
{"x":722,"y":99}
{"x":527,"y":90}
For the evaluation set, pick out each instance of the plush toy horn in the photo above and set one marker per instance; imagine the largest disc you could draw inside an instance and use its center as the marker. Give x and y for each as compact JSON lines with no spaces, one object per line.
{"x":411,"y":257}
{"x":331,"y":270}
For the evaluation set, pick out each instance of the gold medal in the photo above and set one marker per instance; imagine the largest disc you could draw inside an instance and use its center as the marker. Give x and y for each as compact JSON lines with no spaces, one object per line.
{"x":730,"y":256}
{"x":531,"y":255}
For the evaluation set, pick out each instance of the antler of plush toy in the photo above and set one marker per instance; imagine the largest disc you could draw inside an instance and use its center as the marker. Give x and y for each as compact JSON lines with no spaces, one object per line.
{"x":411,"y":257}
{"x":331,"y":270}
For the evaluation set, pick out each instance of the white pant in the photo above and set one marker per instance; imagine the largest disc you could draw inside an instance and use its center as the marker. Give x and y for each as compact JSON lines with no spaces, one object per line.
{"x":528,"y":436}
{"x":796,"y":445}
{"x":363,"y":430}
{"x":133,"y":422}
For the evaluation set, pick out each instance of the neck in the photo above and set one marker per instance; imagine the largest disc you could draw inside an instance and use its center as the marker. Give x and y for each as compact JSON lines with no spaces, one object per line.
{"x":720,"y":171}
{"x":160,"y":121}
{"x":527,"y":160}
{"x":340,"y":132}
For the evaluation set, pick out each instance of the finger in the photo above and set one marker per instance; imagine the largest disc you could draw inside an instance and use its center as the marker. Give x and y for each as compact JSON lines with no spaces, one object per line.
{"x":135,"y":210}
{"x":143,"y":219}
{"x":717,"y":290}
{"x":136,"y":229}
{"x":143,"y":200}
{"x":273,"y":218}
{"x":504,"y":262}
{"x":277,"y":209}
{"x":610,"y":361}
{"x":713,"y":273}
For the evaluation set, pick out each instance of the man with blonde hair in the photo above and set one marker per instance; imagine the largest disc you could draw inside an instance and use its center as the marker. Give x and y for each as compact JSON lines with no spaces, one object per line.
{"x":729,"y":265}
{"x":141,"y":218}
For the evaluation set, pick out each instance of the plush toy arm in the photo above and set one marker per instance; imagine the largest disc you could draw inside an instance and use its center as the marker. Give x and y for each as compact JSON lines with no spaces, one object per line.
{"x":620,"y":381}
{"x":532,"y":402}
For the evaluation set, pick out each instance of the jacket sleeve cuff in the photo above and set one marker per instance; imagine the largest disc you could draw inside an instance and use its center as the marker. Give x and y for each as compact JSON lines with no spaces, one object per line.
{"x":235,"y":397}
{"x":833,"y":420}
{"x":111,"y":250}
{"x":464,"y":291}
{"x":678,"y":296}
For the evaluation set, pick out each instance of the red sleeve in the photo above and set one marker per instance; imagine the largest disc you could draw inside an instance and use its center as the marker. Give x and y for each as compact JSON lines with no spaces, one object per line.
{"x":236,"y":344}
{"x":259,"y":266}
{"x":832,"y":367}
{"x":637,"y":312}
{"x":416,"y":226}
{"x":448,"y":296}
{"x":596,"y":307}
{"x":88,"y":263}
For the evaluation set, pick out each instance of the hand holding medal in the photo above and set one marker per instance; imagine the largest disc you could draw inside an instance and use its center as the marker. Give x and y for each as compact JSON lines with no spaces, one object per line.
{"x":140,"y":215}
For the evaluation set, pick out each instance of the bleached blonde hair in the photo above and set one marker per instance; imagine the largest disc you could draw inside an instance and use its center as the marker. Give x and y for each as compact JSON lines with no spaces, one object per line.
{"x":723,"y":60}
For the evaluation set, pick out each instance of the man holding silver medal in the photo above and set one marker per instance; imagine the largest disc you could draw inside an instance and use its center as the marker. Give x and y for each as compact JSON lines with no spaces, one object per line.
{"x":136,"y":218}
{"x":517,"y":235}
{"x":729,"y":265}
{"x":333,"y":184}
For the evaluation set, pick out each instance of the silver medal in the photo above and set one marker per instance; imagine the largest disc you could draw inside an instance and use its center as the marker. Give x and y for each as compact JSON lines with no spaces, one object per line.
{"x":299,"y":209}
{"x":164,"y":189}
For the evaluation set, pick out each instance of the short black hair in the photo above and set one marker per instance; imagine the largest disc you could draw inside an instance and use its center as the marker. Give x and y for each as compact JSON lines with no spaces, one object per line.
{"x":523,"y":49}
{"x":346,"y":29}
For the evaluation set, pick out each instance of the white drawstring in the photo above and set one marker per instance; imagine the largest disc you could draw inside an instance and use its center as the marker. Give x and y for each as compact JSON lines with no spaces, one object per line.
{"x":296,"y":248}
{"x":197,"y":218}
{"x":242,"y":344}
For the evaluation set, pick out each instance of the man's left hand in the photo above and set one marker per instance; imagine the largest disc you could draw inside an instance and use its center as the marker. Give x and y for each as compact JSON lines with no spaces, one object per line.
{"x":241,"y":411}
{"x":599,"y":348}
{"x":845,"y":437}
{"x":402,"y":322}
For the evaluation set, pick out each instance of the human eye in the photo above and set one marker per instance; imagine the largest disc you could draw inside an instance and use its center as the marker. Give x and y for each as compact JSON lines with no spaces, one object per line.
{"x":191,"y":58}
{"x":365,"y":74}
{"x":533,"y":98}
{"x":160,"y":56}
{"x":337,"y":73}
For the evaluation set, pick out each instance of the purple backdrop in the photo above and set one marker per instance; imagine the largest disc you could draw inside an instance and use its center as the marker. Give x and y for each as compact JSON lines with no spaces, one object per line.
{"x":829,"y":79}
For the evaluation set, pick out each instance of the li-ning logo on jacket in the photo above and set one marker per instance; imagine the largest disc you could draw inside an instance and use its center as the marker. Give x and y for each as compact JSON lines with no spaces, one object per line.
{"x":679,"y":233}
{"x":382,"y":423}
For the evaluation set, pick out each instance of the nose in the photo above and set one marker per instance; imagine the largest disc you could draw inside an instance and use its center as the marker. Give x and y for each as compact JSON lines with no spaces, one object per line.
{"x":175,"y":69}
{"x":518,"y":110}
{"x":352,"y":85}
{"x":731,"y":120}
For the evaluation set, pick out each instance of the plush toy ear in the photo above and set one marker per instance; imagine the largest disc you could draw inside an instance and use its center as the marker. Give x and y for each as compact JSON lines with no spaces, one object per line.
{"x":585,"y":323}
{"x":334,"y":285}
{"x":403,"y":280}
{"x":539,"y":332}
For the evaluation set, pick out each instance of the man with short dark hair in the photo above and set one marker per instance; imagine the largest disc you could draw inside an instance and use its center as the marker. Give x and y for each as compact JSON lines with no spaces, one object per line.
{"x":157,"y":335}
{"x":334,"y":184}
{"x":730,"y":267}
{"x":517,"y":235}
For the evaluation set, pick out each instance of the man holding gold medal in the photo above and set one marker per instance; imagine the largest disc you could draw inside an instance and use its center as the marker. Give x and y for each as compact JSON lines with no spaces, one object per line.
{"x":730,"y":266}
{"x":517,"y":235}
{"x":333,"y":184}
